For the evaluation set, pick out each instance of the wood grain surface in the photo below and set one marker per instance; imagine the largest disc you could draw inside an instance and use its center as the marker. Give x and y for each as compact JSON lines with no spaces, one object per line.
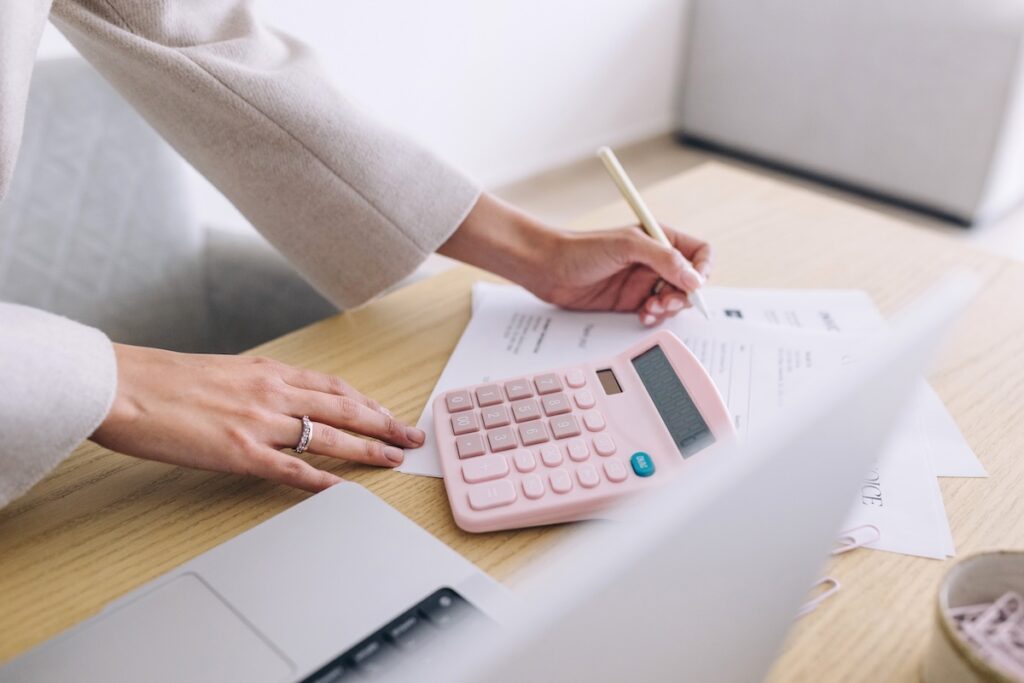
{"x":102,"y":523}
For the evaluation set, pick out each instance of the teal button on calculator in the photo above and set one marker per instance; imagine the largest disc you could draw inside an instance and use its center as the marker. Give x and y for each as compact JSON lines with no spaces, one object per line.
{"x":642,"y":464}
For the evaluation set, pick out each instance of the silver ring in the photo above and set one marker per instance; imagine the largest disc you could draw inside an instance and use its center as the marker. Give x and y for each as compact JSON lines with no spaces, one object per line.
{"x":307,"y":434}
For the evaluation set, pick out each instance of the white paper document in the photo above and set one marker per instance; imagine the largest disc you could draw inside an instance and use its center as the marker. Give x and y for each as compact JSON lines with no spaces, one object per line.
{"x":849,"y":311}
{"x":759,"y":346}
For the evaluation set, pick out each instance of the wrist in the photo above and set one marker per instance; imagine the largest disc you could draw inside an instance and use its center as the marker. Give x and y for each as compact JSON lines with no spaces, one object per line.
{"x":124,"y":409}
{"x":508,"y":242}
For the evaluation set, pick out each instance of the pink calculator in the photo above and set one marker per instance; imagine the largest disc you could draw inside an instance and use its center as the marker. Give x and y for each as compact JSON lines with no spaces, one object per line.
{"x":562,"y":445}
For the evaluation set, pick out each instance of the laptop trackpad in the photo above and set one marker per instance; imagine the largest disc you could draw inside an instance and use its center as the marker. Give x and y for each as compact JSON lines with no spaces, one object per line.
{"x":181,"y":631}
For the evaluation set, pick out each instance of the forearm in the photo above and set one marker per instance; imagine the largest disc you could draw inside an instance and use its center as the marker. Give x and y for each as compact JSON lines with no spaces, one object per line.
{"x":353,"y":205}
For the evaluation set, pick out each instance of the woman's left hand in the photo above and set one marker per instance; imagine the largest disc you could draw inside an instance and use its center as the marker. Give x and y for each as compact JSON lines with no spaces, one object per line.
{"x":609,"y":270}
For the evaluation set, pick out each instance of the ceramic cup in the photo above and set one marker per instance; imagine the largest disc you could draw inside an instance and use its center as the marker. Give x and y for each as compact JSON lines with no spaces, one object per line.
{"x":975,"y":579}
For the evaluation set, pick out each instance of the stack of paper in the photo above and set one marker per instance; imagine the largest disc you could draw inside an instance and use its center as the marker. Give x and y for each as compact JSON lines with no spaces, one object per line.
{"x":758,"y":347}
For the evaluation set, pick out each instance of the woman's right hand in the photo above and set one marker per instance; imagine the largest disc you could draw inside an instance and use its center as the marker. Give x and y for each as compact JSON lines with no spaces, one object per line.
{"x":236,"y":413}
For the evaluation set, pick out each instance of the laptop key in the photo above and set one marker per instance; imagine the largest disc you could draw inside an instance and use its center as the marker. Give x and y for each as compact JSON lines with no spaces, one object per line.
{"x":410,"y":632}
{"x":407,"y":637}
{"x":373,"y":656}
{"x":445,"y":608}
{"x":335,"y":674}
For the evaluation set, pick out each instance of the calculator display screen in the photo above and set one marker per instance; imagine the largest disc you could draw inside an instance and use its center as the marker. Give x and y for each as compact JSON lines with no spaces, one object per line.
{"x":608,"y":382}
{"x":677,"y":410}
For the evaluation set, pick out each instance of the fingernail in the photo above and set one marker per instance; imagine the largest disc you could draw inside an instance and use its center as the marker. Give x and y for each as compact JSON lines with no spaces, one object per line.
{"x":696,"y":276}
{"x":656,"y":307}
{"x":415,"y":435}
{"x":675,"y":304}
{"x":648,"y":319}
{"x":395,"y":455}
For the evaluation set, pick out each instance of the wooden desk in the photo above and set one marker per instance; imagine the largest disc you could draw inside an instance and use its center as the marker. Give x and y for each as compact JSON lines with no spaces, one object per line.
{"x":102,"y":523}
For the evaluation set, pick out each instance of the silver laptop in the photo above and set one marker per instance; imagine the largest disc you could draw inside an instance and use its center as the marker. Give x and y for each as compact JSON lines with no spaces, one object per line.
{"x":701,"y":584}
{"x":330,"y":584}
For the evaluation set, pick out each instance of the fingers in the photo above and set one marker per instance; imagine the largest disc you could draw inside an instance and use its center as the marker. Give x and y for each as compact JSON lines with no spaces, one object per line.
{"x":285,"y":469}
{"x":683,"y":267}
{"x":663,"y":305}
{"x":338,"y":444}
{"x":673,"y":301}
{"x":333,"y":406}
{"x":701,"y":261}
{"x":697,"y":251}
{"x":668,"y":262}
{"x":349,"y":413}
{"x":335,"y":443}
{"x":328,"y":384}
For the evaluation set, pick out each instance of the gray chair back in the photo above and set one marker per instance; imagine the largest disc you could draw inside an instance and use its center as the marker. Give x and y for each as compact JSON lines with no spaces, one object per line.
{"x":97,"y":226}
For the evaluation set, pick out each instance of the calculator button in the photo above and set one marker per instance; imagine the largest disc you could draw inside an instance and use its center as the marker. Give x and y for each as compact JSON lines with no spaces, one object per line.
{"x":533,"y":487}
{"x":604,"y":445}
{"x":493,"y":495}
{"x":594,"y":420}
{"x":458,"y":400}
{"x":464,"y":423}
{"x":642,"y":464}
{"x":485,"y":468}
{"x":527,"y":409}
{"x":533,"y":432}
{"x":561,"y":482}
{"x":575,"y":378}
{"x":584,"y":399}
{"x":470,"y":446}
{"x":588,"y":476}
{"x":550,"y":455}
{"x":495,"y":416}
{"x":578,"y":450}
{"x":517,"y":389}
{"x":547,"y":384}
{"x":615,"y":470}
{"x":488,"y":395}
{"x":524,"y":460}
{"x":556,"y":404}
{"x":565,"y":426}
{"x":501,"y":439}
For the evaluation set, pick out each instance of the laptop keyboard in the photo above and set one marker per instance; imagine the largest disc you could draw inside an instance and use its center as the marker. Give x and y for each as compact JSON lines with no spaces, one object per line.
{"x":405,"y":636}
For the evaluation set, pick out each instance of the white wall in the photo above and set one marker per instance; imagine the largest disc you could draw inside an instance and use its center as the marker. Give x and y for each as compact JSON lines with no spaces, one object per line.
{"x":501,"y":88}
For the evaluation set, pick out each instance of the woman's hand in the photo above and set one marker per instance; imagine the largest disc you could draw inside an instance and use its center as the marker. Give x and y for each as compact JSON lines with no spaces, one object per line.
{"x":611,"y":270}
{"x":236,"y":413}
{"x":617,"y":270}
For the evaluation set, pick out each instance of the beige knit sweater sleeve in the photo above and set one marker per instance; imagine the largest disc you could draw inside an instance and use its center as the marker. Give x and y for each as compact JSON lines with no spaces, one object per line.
{"x":354,"y":206}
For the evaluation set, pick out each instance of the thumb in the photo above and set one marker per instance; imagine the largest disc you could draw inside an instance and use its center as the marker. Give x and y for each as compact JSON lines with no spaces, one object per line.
{"x":670,"y":265}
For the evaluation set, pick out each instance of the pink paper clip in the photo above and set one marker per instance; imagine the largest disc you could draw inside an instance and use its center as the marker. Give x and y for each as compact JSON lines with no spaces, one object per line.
{"x":857,"y":537}
{"x":996,"y":631}
{"x":812,"y":604}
